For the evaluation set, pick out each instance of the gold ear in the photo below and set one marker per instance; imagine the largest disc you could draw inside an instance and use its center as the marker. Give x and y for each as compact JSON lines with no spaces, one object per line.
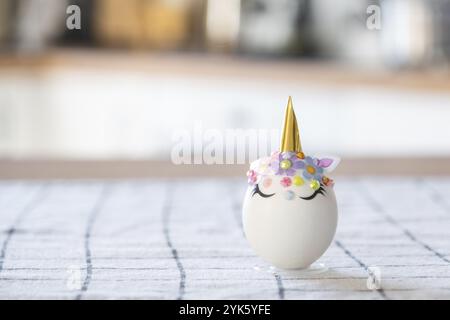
{"x":290,"y":138}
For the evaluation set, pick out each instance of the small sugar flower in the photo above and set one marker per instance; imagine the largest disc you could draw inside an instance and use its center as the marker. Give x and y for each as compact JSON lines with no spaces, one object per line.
{"x":252,"y":177}
{"x":286,"y":182}
{"x":300,"y":155}
{"x":275,"y":154}
{"x":289,"y":195}
{"x":287,"y":163}
{"x":298,"y":181}
{"x":312,"y":169}
{"x":262,"y":166}
{"x":327,"y":181}
{"x":314,"y":184}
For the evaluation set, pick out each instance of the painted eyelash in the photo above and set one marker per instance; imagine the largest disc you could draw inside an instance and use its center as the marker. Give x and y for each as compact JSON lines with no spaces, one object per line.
{"x":256,"y":190}
{"x":321,"y":191}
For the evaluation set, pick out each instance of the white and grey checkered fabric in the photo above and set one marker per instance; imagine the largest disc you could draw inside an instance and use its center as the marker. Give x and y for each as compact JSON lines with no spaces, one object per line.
{"x":183,"y":239}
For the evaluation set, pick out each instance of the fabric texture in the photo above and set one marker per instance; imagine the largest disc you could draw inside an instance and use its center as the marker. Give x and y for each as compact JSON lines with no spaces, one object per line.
{"x":183,"y":239}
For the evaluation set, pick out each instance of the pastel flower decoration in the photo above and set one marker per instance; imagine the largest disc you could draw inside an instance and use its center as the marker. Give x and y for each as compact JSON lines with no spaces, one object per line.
{"x":327,"y":181}
{"x":315,"y":185}
{"x":298,"y":181}
{"x":300,"y":155}
{"x":252,"y":177}
{"x":287,"y":163}
{"x":312,"y":169}
{"x":262,"y":166}
{"x":328,"y":163}
{"x":324,"y":163}
{"x":274,"y":155}
{"x":289,"y":195}
{"x":286,"y":182}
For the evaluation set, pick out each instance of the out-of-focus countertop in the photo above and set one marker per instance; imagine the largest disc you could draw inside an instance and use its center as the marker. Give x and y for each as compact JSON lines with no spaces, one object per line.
{"x":124,"y":169}
{"x":210,"y":65}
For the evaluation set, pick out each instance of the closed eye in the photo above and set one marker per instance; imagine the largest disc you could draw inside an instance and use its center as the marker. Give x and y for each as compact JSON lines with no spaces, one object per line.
{"x":257,"y":191}
{"x":321,"y":191}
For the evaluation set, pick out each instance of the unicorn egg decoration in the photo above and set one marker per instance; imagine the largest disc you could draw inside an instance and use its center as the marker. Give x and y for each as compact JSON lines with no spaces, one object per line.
{"x":290,"y":210}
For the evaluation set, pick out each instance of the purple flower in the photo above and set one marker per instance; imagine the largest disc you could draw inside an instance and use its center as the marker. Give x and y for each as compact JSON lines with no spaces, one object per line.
{"x":286,"y":163}
{"x":312,"y":169}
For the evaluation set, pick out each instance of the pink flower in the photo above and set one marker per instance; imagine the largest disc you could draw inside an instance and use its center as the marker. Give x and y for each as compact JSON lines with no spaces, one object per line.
{"x":286,"y":182}
{"x":252,"y":176}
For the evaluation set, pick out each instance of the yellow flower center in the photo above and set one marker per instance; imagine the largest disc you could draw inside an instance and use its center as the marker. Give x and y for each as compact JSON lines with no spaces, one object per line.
{"x":285,"y":164}
{"x":310,"y":169}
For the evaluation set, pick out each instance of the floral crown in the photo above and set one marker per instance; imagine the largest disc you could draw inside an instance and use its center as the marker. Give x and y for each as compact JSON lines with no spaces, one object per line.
{"x":295,"y":168}
{"x":291,"y":162}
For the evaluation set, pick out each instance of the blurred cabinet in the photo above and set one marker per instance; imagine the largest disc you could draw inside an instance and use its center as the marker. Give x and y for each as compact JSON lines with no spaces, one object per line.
{"x":160,"y":24}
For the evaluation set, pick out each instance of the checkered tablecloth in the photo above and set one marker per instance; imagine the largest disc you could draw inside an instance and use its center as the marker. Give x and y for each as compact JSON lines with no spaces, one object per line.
{"x":183,"y":239}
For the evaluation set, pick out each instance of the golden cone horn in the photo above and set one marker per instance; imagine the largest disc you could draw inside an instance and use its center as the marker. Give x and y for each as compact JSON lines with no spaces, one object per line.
{"x":290,"y":138}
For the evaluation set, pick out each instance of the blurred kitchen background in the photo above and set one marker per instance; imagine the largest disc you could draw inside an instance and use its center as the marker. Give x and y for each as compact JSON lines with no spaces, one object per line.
{"x":370,"y":82}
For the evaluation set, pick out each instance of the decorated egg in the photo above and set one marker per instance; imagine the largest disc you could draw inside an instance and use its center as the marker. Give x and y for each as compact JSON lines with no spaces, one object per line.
{"x":290,"y":211}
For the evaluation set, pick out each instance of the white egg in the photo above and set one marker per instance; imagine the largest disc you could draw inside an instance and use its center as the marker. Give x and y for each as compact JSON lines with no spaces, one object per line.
{"x":290,"y":211}
{"x":290,"y":226}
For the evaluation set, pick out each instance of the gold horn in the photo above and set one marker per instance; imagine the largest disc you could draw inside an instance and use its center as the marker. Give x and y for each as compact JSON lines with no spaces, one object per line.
{"x":290,"y":138}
